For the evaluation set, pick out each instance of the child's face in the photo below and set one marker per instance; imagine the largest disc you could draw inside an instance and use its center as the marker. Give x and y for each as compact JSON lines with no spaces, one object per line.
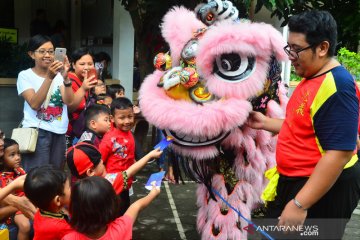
{"x":123,"y":119}
{"x":65,"y":199}
{"x":102,"y":124}
{"x":119,"y":94}
{"x":99,"y":88}
{"x":12,"y":157}
{"x":99,"y":170}
{"x":108,"y":101}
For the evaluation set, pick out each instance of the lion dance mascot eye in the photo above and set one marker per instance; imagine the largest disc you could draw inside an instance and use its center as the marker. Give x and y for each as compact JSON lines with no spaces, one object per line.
{"x":218,"y":71}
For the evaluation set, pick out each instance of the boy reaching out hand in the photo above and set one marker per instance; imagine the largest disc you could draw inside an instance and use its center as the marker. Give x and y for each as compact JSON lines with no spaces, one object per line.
{"x":84,"y":160}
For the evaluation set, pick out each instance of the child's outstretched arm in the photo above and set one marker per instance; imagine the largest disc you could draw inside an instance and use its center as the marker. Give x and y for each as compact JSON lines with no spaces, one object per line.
{"x":18,"y":183}
{"x":133,"y":169}
{"x":136,"y":207}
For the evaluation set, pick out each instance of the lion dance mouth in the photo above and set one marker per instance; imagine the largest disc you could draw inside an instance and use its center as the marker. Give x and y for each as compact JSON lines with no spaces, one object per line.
{"x":194,"y":141}
{"x":201,"y":95}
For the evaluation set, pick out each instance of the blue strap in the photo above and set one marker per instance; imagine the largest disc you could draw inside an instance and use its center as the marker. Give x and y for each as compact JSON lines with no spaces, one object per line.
{"x":247,"y":220}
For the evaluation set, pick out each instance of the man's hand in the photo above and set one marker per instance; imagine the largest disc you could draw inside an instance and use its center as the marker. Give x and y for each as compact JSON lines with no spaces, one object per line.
{"x":292,"y":215}
{"x":256,"y":120}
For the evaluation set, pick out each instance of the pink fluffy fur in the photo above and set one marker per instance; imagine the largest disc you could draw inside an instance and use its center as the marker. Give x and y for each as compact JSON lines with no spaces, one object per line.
{"x":255,"y":149}
{"x":247,"y":39}
{"x":209,"y":119}
{"x":177,"y":29}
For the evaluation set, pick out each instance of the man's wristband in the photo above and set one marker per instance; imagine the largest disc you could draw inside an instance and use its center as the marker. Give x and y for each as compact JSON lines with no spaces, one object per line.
{"x":296,"y":202}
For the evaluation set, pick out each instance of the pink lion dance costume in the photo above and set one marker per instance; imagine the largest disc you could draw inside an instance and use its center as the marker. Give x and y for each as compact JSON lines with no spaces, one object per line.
{"x":219,"y":71}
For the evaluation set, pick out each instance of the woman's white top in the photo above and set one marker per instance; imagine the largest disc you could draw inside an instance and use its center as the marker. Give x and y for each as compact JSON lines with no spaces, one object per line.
{"x":55,"y":117}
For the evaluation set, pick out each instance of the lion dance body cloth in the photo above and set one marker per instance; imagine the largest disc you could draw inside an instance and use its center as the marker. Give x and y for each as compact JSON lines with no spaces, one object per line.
{"x":218,"y":70}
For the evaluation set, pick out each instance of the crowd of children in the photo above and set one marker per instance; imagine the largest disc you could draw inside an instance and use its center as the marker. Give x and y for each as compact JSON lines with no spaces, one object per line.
{"x":102,"y":165}
{"x":94,"y":201}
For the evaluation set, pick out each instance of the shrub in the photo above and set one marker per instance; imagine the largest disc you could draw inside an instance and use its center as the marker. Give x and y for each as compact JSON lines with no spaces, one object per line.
{"x":351,"y":61}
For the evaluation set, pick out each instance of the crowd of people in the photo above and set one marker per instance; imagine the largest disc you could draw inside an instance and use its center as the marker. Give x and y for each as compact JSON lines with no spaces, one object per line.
{"x":88,"y":127}
{"x":75,"y":113}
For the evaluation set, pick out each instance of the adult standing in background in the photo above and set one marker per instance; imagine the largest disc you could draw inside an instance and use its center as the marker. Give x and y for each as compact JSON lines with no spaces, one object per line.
{"x":315,"y":155}
{"x":82,"y":61}
{"x":46,"y":80}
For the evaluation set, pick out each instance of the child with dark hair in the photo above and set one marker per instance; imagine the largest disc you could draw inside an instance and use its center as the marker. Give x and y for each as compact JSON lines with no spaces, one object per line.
{"x":84,"y":160}
{"x":118,"y":145}
{"x":92,"y":219}
{"x":104,"y":99}
{"x":97,"y":122}
{"x":100,"y":88}
{"x":48,"y":188}
{"x":10,"y":170}
{"x":116,"y":91}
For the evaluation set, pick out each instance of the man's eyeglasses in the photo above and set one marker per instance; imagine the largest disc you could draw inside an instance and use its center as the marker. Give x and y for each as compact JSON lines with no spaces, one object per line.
{"x":43,"y":52}
{"x":295,"y":53}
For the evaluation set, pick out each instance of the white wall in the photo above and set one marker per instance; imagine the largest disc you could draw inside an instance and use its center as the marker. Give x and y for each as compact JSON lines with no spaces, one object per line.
{"x":123,"y":48}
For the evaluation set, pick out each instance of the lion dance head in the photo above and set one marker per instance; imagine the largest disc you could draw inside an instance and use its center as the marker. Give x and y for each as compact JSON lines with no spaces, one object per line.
{"x":217,"y":71}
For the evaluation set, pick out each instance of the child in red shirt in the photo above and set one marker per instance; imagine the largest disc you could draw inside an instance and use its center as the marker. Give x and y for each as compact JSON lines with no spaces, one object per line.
{"x":10,"y":170}
{"x":84,"y":160}
{"x":94,"y":209}
{"x":48,"y":188}
{"x":117,"y":148}
{"x":97,"y":122}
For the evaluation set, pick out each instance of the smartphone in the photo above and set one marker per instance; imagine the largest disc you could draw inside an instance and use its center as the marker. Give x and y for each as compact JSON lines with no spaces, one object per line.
{"x":92,"y":72}
{"x":60,"y":54}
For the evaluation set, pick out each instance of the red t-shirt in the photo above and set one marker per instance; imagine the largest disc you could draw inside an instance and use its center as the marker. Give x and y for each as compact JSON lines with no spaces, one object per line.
{"x":50,"y":226}
{"x":76,"y":84}
{"x":117,"y":149}
{"x":121,"y":228}
{"x":321,"y":115}
{"x":8,"y":177}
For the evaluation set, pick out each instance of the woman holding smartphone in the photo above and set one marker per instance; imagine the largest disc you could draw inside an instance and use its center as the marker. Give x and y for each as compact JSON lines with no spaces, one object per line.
{"x":83,"y":77}
{"x":46,"y":82}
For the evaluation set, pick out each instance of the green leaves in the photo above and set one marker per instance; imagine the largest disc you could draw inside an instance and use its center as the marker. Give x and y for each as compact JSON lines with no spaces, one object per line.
{"x":351,"y":61}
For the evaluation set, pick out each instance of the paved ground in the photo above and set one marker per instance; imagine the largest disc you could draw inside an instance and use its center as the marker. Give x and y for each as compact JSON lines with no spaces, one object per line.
{"x":169,"y":217}
{"x":172,"y":215}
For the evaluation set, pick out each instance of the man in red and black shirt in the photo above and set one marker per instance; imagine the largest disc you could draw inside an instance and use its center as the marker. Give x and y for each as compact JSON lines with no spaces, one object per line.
{"x":316,"y":151}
